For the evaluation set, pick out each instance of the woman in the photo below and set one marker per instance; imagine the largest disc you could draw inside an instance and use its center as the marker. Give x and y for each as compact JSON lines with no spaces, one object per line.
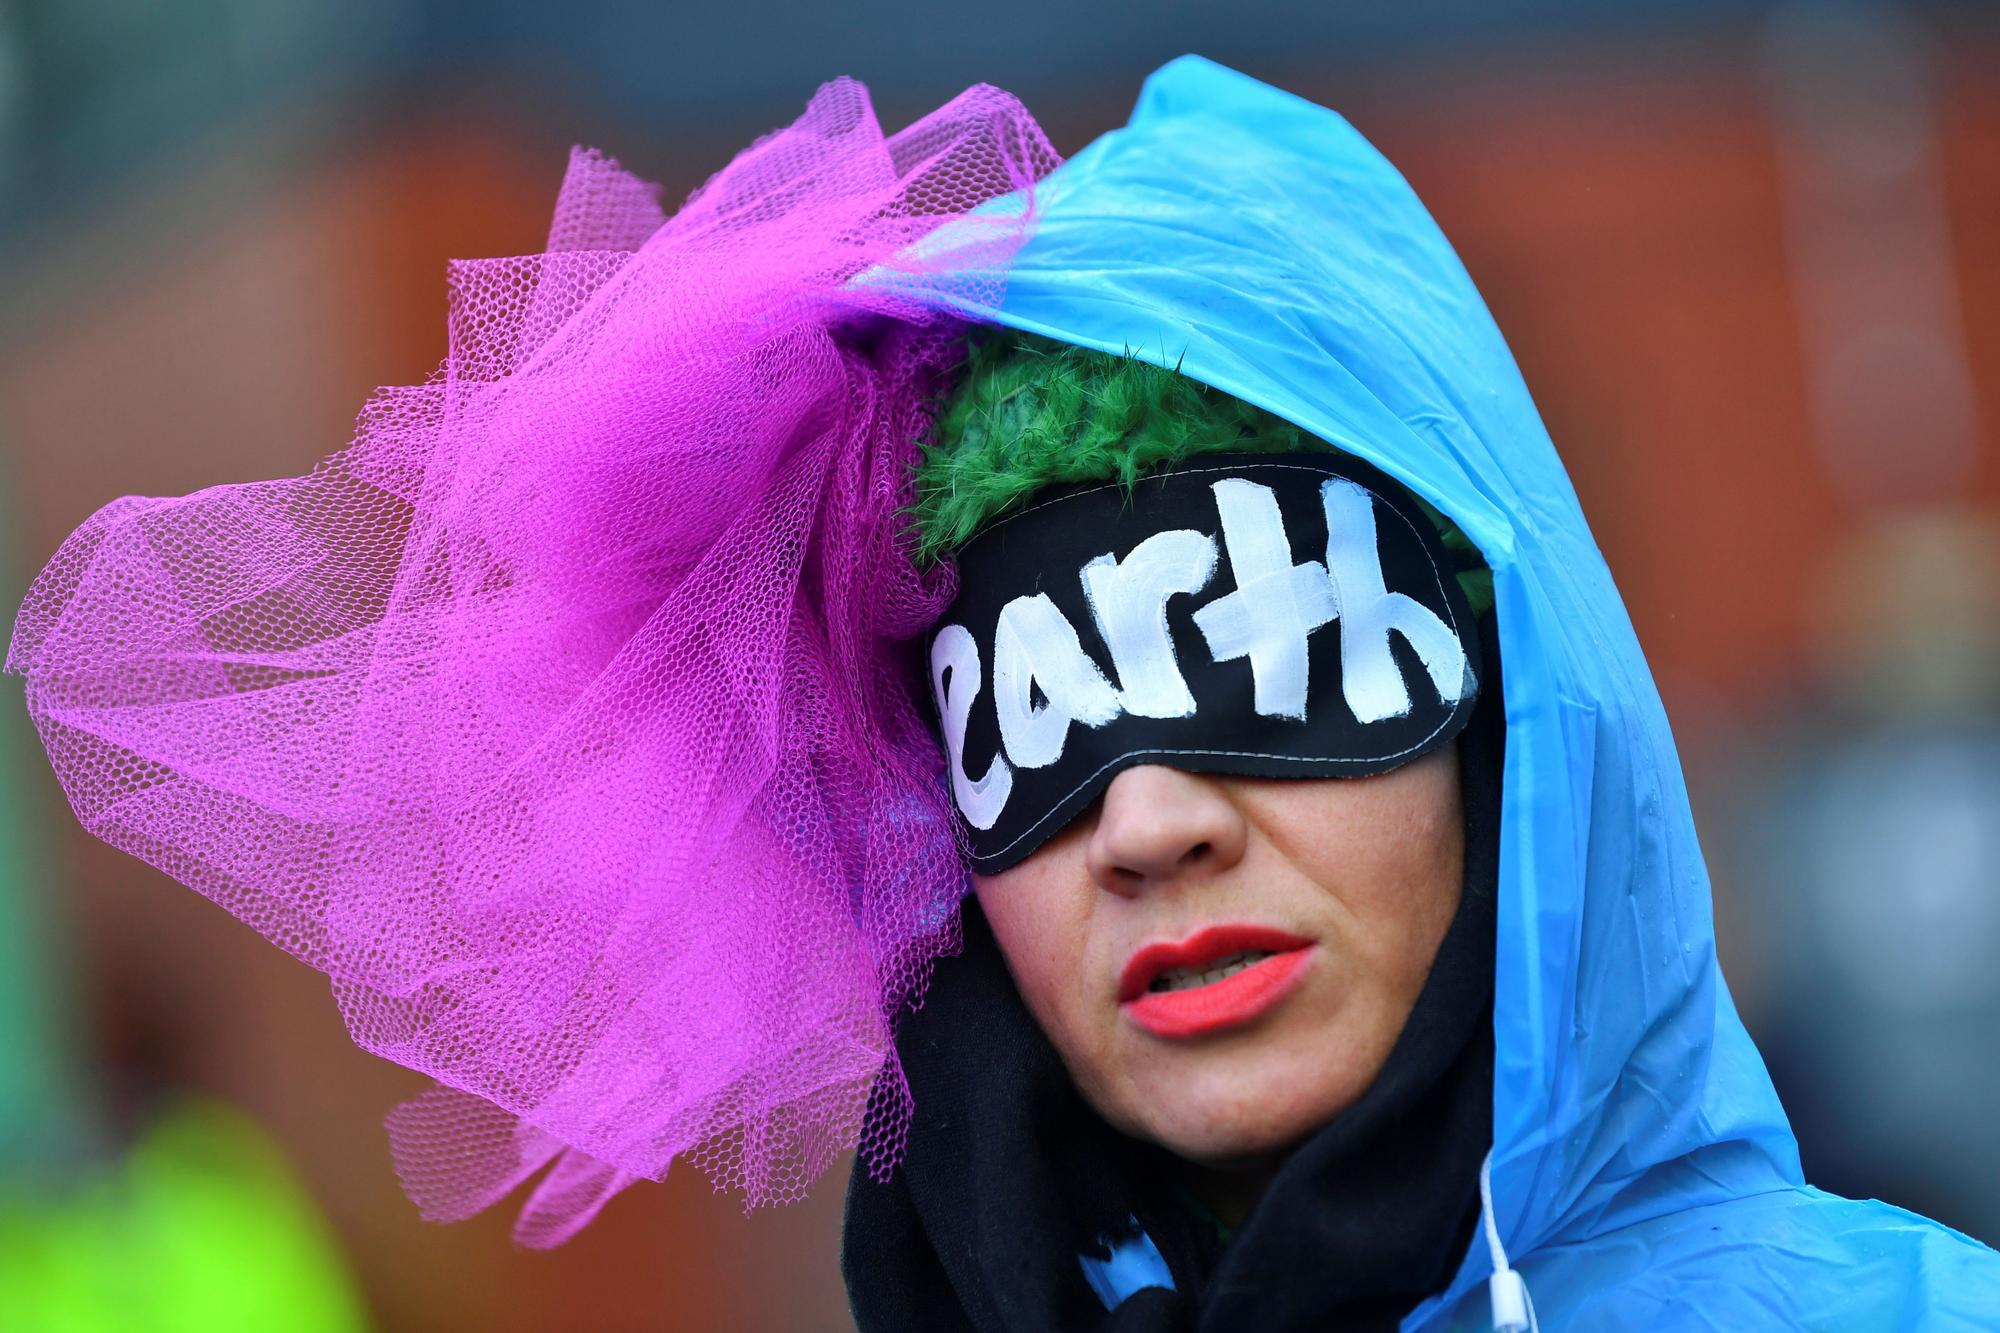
{"x":569,"y":721}
{"x":1233,"y":1014}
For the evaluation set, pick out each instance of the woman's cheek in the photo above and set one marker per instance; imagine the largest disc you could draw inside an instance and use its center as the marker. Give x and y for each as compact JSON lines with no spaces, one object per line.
{"x":1038,"y":937}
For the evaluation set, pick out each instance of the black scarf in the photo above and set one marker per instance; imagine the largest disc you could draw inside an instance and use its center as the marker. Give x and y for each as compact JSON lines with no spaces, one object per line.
{"x":1009,"y":1175}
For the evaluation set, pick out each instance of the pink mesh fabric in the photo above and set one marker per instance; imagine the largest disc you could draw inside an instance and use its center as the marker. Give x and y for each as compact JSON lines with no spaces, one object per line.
{"x":566,"y":718}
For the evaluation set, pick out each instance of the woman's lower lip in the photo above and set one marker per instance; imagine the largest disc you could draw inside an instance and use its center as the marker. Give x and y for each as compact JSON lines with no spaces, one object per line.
{"x":1228,"y":1003}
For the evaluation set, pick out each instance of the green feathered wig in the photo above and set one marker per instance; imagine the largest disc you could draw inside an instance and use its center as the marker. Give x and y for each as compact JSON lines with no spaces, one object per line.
{"x":1029,"y":412}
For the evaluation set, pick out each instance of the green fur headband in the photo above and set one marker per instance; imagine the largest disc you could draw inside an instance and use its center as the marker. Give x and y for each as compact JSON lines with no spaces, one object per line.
{"x":1029,"y":412}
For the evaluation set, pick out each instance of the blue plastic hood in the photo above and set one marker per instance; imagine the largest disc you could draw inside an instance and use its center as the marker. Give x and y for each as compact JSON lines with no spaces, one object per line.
{"x":1643,"y":1171}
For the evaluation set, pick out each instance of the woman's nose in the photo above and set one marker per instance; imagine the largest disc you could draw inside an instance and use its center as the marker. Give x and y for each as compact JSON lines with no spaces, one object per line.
{"x":1156,"y":823}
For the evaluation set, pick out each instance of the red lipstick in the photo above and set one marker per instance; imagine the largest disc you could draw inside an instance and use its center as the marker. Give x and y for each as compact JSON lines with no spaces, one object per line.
{"x":1193,"y":1010}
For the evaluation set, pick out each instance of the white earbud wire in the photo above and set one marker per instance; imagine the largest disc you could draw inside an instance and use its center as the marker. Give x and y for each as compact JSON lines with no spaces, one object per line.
{"x":1513,"y":1306}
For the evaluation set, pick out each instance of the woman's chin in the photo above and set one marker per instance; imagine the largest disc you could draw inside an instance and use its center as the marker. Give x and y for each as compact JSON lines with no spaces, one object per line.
{"x":1222,"y":1120}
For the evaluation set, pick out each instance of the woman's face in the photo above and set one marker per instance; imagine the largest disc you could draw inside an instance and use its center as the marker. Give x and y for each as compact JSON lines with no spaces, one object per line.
{"x":1224,"y":963}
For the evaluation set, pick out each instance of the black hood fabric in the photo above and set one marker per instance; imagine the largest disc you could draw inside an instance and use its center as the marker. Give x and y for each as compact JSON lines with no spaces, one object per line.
{"x":1009,"y":1175}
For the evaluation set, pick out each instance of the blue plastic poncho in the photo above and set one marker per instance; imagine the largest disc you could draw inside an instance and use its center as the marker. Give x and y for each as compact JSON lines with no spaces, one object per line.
{"x":1643,"y":1174}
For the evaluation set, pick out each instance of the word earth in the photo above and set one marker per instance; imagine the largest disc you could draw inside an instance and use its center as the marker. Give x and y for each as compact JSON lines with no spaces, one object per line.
{"x":1269,"y":620}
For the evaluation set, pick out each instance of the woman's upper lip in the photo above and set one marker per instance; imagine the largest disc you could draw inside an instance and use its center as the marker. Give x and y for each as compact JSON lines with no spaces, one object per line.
{"x":1207,"y":945}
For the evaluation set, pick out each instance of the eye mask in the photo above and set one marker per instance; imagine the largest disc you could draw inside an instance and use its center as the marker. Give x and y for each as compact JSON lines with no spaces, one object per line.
{"x":1241,"y":614}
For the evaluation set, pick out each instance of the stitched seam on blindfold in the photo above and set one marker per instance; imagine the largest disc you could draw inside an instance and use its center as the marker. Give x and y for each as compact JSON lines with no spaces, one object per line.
{"x":999,"y":852}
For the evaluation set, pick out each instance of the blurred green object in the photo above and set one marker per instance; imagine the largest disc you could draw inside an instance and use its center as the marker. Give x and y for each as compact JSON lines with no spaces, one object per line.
{"x":200,"y":1226}
{"x":200,"y":1229}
